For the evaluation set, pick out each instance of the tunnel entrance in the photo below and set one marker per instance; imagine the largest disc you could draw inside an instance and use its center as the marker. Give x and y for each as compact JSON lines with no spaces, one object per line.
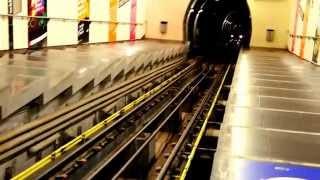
{"x":217,"y":29}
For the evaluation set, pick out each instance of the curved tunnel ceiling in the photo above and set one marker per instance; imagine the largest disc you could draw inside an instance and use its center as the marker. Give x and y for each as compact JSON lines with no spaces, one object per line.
{"x":217,"y":28}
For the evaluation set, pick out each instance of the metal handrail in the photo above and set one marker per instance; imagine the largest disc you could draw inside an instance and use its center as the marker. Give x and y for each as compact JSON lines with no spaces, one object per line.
{"x":305,"y":37}
{"x":70,"y":19}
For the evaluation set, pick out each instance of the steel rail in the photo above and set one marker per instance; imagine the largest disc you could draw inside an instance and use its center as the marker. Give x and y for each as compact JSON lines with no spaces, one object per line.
{"x":89,"y":133}
{"x":87,"y":145}
{"x":155,"y":132}
{"x":186,"y":168}
{"x":35,"y":132}
{"x":92,"y":175}
{"x":186,"y":131}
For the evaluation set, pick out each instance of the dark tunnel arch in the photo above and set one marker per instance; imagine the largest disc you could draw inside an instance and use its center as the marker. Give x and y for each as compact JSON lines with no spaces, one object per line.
{"x":217,"y":29}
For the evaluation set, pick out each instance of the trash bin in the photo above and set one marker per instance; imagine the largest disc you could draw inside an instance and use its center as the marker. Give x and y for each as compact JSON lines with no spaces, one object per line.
{"x":270,"y":35}
{"x":163,"y":27}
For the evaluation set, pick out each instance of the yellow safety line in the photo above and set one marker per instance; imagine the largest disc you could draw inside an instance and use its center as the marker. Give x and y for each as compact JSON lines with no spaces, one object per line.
{"x":202,"y":131}
{"x":60,"y":151}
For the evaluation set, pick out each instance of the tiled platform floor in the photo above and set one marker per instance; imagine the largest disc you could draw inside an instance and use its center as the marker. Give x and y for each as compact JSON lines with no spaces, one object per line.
{"x":272,"y":120}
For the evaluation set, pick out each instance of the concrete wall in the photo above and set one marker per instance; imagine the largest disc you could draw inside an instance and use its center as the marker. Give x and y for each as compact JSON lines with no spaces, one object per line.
{"x":172,"y":11}
{"x":266,"y":14}
{"x":270,"y":14}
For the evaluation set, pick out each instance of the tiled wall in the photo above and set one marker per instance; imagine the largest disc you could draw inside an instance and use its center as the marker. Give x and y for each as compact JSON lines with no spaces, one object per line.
{"x":305,"y":30}
{"x":66,"y":31}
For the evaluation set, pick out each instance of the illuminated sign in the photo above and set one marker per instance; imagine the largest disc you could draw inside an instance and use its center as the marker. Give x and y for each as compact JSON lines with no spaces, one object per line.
{"x":37,"y":29}
{"x":255,"y":170}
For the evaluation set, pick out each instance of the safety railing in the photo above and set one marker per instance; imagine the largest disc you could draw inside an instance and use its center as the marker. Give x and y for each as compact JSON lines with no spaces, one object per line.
{"x":304,"y":37}
{"x":71,"y":19}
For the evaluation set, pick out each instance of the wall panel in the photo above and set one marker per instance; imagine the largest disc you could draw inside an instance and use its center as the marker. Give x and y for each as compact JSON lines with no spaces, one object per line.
{"x":99,"y":11}
{"x":98,"y":32}
{"x":65,"y":18}
{"x":4,"y":34}
{"x":62,"y":32}
{"x":20,"y":28}
{"x":124,"y":11}
{"x":305,"y":30}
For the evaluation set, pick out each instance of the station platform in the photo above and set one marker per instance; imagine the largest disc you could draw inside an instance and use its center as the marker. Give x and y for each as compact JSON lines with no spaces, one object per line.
{"x":49,"y":72}
{"x":271,"y":127}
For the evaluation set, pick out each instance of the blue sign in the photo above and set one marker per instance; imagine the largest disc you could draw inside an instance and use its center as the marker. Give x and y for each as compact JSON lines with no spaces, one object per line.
{"x":255,"y":170}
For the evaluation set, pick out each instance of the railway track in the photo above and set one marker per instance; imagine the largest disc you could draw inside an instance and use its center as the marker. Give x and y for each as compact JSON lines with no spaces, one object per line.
{"x":14,"y":143}
{"x":104,"y":133}
{"x":179,"y":158}
{"x":151,"y":138}
{"x":174,"y":158}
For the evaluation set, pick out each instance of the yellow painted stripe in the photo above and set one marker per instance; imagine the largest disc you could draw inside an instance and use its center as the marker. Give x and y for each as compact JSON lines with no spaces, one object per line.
{"x":83,"y":9}
{"x":201,"y":133}
{"x":113,"y":13}
{"x":72,"y":144}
